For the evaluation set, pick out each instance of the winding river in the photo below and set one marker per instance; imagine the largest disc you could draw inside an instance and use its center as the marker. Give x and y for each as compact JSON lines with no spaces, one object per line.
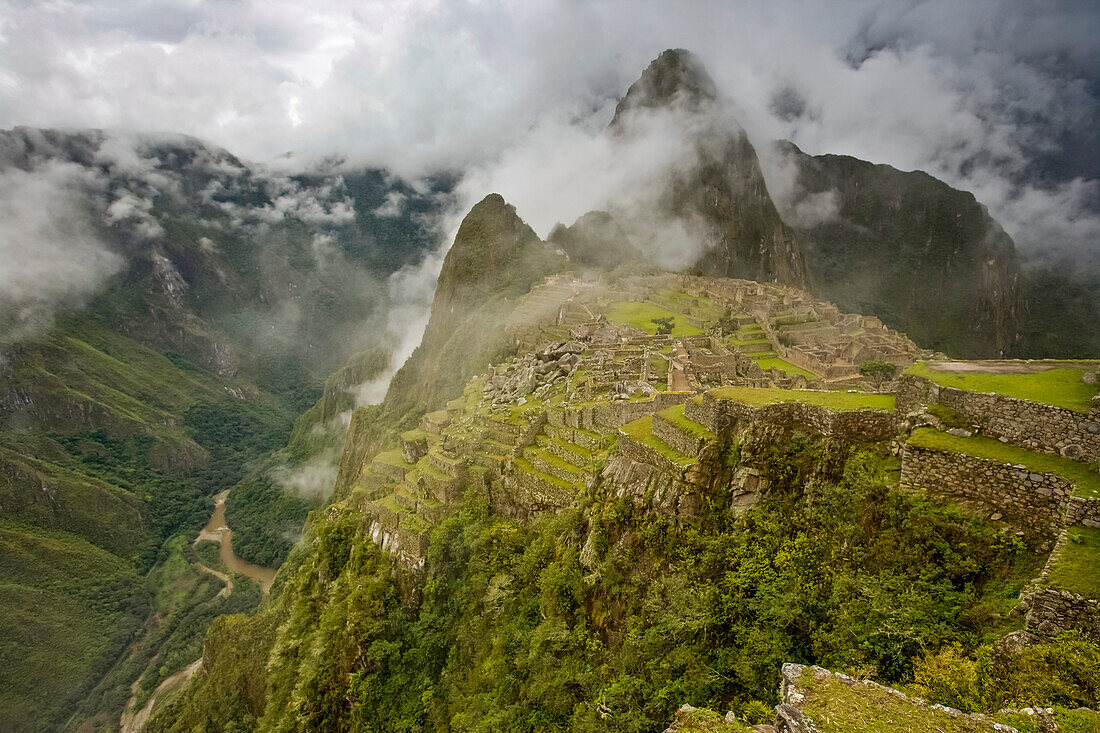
{"x":216,"y":530}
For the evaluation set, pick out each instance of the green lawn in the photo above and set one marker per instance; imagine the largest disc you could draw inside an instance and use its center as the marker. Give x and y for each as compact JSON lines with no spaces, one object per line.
{"x":701,"y":307}
{"x":675,"y":415}
{"x":1085,"y":479}
{"x":642,"y":431}
{"x":836,"y":707}
{"x":1076,"y":566}
{"x":836,"y":401}
{"x":1058,"y":387}
{"x":641,"y":315}
{"x":393,"y":458}
{"x":785,"y":366}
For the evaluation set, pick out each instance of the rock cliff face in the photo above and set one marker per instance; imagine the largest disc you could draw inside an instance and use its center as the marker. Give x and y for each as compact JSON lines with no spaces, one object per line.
{"x":595,"y":240}
{"x":926,"y":258}
{"x":495,"y":258}
{"x":723,"y":199}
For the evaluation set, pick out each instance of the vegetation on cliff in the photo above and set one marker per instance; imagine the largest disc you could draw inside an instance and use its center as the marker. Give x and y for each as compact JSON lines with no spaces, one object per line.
{"x":607,"y":616}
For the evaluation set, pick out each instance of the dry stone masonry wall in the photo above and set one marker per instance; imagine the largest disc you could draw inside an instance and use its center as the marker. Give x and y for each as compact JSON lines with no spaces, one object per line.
{"x":1030,"y":425}
{"x":1037,"y":501}
{"x":720,"y":416}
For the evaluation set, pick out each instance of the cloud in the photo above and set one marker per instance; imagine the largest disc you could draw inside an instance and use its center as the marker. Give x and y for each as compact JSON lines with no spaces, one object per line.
{"x":48,"y":244}
{"x":994,"y":96}
{"x":411,"y":290}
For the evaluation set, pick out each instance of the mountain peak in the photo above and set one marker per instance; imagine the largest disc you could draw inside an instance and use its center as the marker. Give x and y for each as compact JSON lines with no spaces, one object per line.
{"x":675,"y":78}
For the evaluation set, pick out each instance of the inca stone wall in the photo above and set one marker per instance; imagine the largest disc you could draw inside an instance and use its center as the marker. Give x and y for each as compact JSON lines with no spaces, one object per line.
{"x":685,"y":443}
{"x":1036,"y":501}
{"x":1027,"y":424}
{"x":870,"y":426}
{"x":1051,"y":611}
{"x":535,"y":493}
{"x":1081,"y":510}
{"x":642,"y":453}
{"x":1055,"y":611}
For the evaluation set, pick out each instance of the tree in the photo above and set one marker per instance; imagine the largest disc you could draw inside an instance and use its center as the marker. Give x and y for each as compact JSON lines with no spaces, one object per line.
{"x":880,"y":371}
{"x":664,"y":325}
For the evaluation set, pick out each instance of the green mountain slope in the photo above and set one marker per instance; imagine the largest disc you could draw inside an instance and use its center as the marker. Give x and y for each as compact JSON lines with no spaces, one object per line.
{"x":926,"y":258}
{"x":122,"y":412}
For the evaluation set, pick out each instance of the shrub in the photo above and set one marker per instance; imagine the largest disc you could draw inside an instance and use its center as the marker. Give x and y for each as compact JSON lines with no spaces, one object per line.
{"x":948,"y":677}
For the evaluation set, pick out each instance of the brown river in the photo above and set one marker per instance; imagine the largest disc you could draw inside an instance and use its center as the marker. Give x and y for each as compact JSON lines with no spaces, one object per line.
{"x":132,"y":718}
{"x":216,"y":530}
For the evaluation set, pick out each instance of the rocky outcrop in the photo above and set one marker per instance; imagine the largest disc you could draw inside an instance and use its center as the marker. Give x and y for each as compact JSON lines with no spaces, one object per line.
{"x":595,"y":240}
{"x":495,"y":257}
{"x":812,"y":698}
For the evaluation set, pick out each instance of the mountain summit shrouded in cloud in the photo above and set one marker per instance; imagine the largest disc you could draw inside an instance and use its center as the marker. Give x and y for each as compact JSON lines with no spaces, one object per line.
{"x":1000,"y":99}
{"x":271,"y":257}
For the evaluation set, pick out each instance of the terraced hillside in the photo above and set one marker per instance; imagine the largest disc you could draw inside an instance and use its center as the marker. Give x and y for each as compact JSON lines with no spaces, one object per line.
{"x":571,"y":504}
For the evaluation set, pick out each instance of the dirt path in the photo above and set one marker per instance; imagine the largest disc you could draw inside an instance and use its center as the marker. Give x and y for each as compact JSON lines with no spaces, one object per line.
{"x":677,"y":378}
{"x":133,"y":722}
{"x":227,"y":588}
{"x":216,"y":530}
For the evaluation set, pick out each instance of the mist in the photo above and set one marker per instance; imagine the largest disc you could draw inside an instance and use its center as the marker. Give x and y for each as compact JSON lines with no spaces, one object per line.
{"x":52,"y":252}
{"x":994,"y":96}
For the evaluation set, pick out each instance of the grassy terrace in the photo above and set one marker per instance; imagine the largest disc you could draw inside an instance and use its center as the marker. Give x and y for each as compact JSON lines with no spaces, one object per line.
{"x":836,"y":401}
{"x":1084,"y":478}
{"x":392,"y":458}
{"x":837,"y":708}
{"x":1075,"y":565}
{"x":699,"y":305}
{"x":785,"y":366}
{"x":523,"y":465}
{"x":1058,"y":387}
{"x":641,"y":315}
{"x":415,"y":434}
{"x":642,"y":431}
{"x":548,"y":457}
{"x":675,"y":415}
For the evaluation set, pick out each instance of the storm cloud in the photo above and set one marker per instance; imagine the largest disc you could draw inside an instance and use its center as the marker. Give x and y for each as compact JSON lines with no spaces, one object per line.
{"x":996,"y":97}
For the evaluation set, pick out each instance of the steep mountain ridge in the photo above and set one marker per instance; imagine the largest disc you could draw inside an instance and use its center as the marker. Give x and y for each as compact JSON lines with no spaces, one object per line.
{"x":495,"y":259}
{"x":723,"y":200}
{"x":926,"y":258}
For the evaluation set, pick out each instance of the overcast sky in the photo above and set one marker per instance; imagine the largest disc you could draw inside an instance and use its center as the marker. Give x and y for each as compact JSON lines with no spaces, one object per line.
{"x":1001,"y":98}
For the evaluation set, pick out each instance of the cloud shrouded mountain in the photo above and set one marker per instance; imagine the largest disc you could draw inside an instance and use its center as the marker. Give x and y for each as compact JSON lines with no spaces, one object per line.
{"x":998,"y":97}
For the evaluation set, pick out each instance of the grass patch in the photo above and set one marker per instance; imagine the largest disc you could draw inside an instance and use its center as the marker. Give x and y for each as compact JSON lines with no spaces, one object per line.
{"x":837,"y":708}
{"x":523,"y":465}
{"x":641,"y":430}
{"x":415,"y":435}
{"x":702,"y":720}
{"x":393,"y":458}
{"x":1086,"y":480}
{"x":1076,"y":564}
{"x":1081,"y":720}
{"x":641,"y":315}
{"x":675,"y":415}
{"x":1058,"y":387}
{"x":785,"y":366}
{"x":836,"y":401}
{"x":950,"y":417}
